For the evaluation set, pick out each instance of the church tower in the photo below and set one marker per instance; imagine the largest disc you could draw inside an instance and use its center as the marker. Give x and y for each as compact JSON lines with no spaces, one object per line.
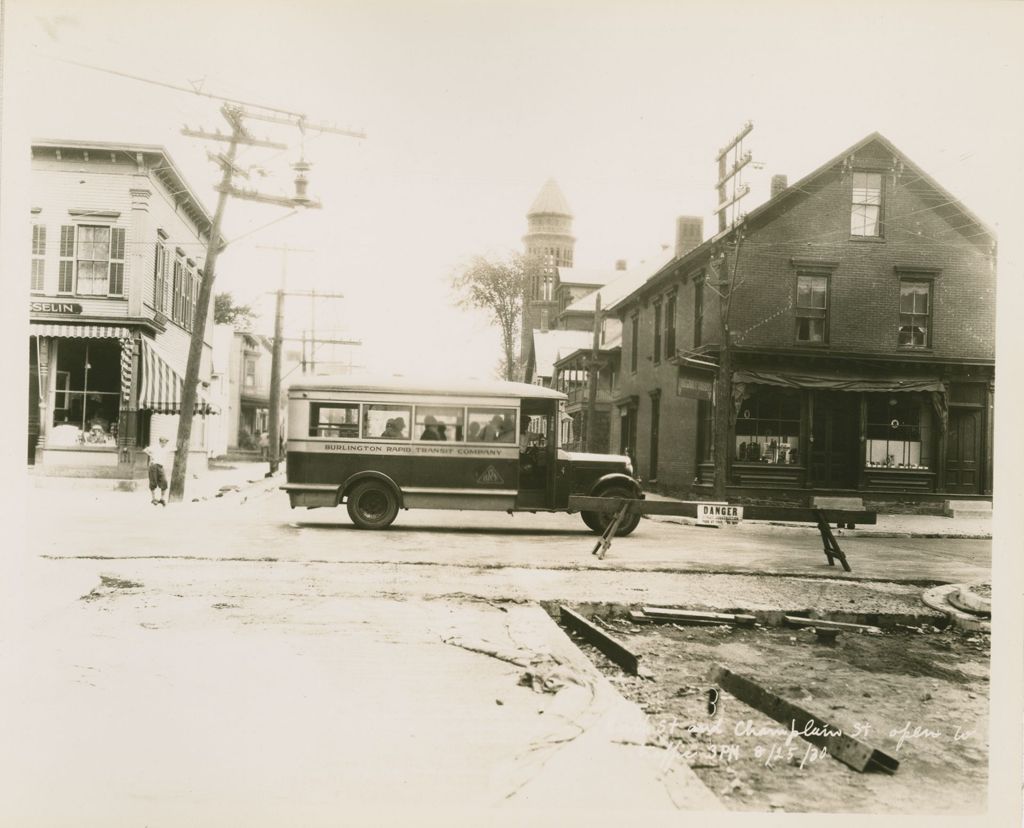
{"x":548,"y":237}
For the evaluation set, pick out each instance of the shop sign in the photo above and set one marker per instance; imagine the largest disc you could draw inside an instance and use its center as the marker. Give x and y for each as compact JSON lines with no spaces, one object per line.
{"x":718,"y":514}
{"x":693,"y":387}
{"x":55,"y":307}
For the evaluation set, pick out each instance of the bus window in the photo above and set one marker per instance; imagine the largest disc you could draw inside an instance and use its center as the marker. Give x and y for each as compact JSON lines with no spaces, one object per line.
{"x":334,"y":420}
{"x":435,"y":422}
{"x":492,"y":425}
{"x":386,"y":422}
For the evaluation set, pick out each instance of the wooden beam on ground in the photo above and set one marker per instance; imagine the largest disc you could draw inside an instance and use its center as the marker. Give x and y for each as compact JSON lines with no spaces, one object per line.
{"x":822,"y":624}
{"x":611,"y":647}
{"x":853,"y":752}
{"x":792,"y":514}
{"x":669,"y":614}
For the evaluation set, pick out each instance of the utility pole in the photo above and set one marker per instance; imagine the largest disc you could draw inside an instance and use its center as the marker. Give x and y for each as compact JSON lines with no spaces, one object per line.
{"x":724,"y":286}
{"x":275,"y":360}
{"x":235,"y":115}
{"x":239,"y":135}
{"x":592,"y":376}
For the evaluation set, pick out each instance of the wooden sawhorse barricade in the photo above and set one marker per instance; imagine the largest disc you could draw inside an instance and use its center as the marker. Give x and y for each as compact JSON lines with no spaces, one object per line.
{"x":621,"y":507}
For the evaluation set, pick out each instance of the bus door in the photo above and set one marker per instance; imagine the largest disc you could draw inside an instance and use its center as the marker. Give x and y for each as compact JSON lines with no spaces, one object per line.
{"x":538,"y":453}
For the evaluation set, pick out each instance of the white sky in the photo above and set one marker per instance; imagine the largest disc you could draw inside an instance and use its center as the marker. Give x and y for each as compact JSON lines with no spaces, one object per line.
{"x":470,"y":107}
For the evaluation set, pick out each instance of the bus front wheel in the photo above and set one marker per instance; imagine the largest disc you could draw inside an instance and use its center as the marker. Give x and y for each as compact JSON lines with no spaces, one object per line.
{"x":372,"y":505}
{"x":598,"y":521}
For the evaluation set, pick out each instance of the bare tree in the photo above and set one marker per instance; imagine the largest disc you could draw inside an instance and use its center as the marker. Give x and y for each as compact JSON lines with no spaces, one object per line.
{"x":498,"y":286}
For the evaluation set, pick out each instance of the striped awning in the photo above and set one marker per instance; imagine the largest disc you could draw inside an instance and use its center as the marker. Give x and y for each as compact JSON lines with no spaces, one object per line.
{"x":79,"y":331}
{"x":160,"y":384}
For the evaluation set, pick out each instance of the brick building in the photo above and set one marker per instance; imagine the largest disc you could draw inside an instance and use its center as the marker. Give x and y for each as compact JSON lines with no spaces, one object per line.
{"x":118,"y":240}
{"x":863,"y":342}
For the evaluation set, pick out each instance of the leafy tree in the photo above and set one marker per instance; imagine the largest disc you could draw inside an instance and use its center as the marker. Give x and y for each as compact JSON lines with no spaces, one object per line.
{"x":226,"y":312}
{"x":498,"y":286}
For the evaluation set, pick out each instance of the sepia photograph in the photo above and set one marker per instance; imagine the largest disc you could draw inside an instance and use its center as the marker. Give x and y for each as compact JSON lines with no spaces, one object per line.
{"x":511,"y":412}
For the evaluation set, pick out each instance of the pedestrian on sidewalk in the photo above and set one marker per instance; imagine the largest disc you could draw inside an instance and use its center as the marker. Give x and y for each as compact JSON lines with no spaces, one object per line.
{"x":158,"y":454}
{"x":264,"y":445}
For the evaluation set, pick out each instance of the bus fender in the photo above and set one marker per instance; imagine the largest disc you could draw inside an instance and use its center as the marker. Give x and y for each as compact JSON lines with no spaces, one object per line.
{"x":617,"y":478}
{"x":359,"y":477}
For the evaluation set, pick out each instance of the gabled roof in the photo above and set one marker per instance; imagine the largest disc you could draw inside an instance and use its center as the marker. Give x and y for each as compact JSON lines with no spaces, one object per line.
{"x":586,"y":275}
{"x":165,"y":171}
{"x":550,"y":200}
{"x":627,"y":282}
{"x":946,"y":205}
{"x":551,"y":346}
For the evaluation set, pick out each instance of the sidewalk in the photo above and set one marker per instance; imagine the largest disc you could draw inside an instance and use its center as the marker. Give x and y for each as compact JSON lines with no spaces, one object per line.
{"x":222,"y":479}
{"x":888,"y":526}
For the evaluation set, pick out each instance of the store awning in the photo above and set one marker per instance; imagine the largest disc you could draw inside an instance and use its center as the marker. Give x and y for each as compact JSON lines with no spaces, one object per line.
{"x":838,"y":382}
{"x":79,"y":331}
{"x":160,"y":384}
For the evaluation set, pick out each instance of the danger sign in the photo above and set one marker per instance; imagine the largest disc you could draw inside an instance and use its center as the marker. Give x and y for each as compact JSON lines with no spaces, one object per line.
{"x":717,"y":514}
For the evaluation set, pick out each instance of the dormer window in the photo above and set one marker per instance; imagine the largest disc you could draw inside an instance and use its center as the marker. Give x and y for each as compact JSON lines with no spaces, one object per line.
{"x":866,"y":210}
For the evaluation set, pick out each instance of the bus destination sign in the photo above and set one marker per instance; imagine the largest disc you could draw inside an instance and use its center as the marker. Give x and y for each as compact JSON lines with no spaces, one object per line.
{"x":718,"y":514}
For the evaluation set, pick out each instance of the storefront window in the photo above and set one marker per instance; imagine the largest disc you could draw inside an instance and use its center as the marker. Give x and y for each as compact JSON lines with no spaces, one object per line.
{"x":899,"y":432}
{"x":86,"y":401}
{"x":768,"y":427}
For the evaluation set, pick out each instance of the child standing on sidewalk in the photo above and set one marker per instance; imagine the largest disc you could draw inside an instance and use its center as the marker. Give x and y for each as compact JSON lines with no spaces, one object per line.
{"x":157,"y":463}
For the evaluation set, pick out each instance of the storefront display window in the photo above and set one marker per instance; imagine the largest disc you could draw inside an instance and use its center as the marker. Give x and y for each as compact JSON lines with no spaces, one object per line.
{"x":768,"y":427}
{"x":86,"y":403}
{"x":899,"y":432}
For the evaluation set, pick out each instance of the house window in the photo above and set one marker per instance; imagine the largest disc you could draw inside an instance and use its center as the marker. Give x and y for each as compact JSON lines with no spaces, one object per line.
{"x":99,"y":256}
{"x":915,"y":313}
{"x":812,"y":308}
{"x":899,"y":431}
{"x":866,"y":212}
{"x":670,"y":326}
{"x":250,"y":372}
{"x":38,"y":257}
{"x":698,"y":310}
{"x":768,"y":427}
{"x":657,"y":332}
{"x":634,"y":340}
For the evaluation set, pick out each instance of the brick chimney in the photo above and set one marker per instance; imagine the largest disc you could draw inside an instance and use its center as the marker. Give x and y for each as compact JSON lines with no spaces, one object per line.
{"x":689,"y":234}
{"x":779,"y":183}
{"x":620,"y":264}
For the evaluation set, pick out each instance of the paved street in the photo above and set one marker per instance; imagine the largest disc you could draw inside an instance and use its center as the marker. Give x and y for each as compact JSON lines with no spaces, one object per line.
{"x":234,"y":660}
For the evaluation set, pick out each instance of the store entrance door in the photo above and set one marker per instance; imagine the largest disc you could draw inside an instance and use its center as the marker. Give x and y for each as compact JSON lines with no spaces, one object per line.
{"x":963,"y":450}
{"x":835,"y":429}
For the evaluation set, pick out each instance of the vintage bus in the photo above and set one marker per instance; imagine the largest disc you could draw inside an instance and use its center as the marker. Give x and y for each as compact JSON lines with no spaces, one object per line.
{"x":381,"y":446}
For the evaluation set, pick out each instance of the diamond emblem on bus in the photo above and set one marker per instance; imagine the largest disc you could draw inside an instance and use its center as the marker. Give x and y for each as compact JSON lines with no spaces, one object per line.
{"x":490,"y":475}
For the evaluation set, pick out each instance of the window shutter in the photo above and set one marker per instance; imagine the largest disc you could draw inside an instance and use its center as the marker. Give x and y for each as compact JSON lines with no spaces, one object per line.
{"x":116,"y":284}
{"x":66,"y":275}
{"x":158,"y":281}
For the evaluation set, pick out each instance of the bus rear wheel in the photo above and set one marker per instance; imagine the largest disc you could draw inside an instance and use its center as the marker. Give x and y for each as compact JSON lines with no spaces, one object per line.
{"x":372,"y":505}
{"x":597,"y":522}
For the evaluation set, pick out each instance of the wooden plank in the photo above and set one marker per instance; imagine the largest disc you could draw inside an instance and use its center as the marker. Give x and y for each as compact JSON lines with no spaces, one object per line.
{"x":670,"y":614}
{"x":794,"y":514}
{"x":611,"y":647}
{"x":853,"y":752}
{"x":820,"y":623}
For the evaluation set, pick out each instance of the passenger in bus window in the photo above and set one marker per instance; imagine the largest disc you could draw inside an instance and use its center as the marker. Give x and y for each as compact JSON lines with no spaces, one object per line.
{"x":395,"y":429}
{"x":492,"y":431}
{"x":508,"y":429}
{"x":430,"y":430}
{"x":442,"y":431}
{"x":474,"y":432}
